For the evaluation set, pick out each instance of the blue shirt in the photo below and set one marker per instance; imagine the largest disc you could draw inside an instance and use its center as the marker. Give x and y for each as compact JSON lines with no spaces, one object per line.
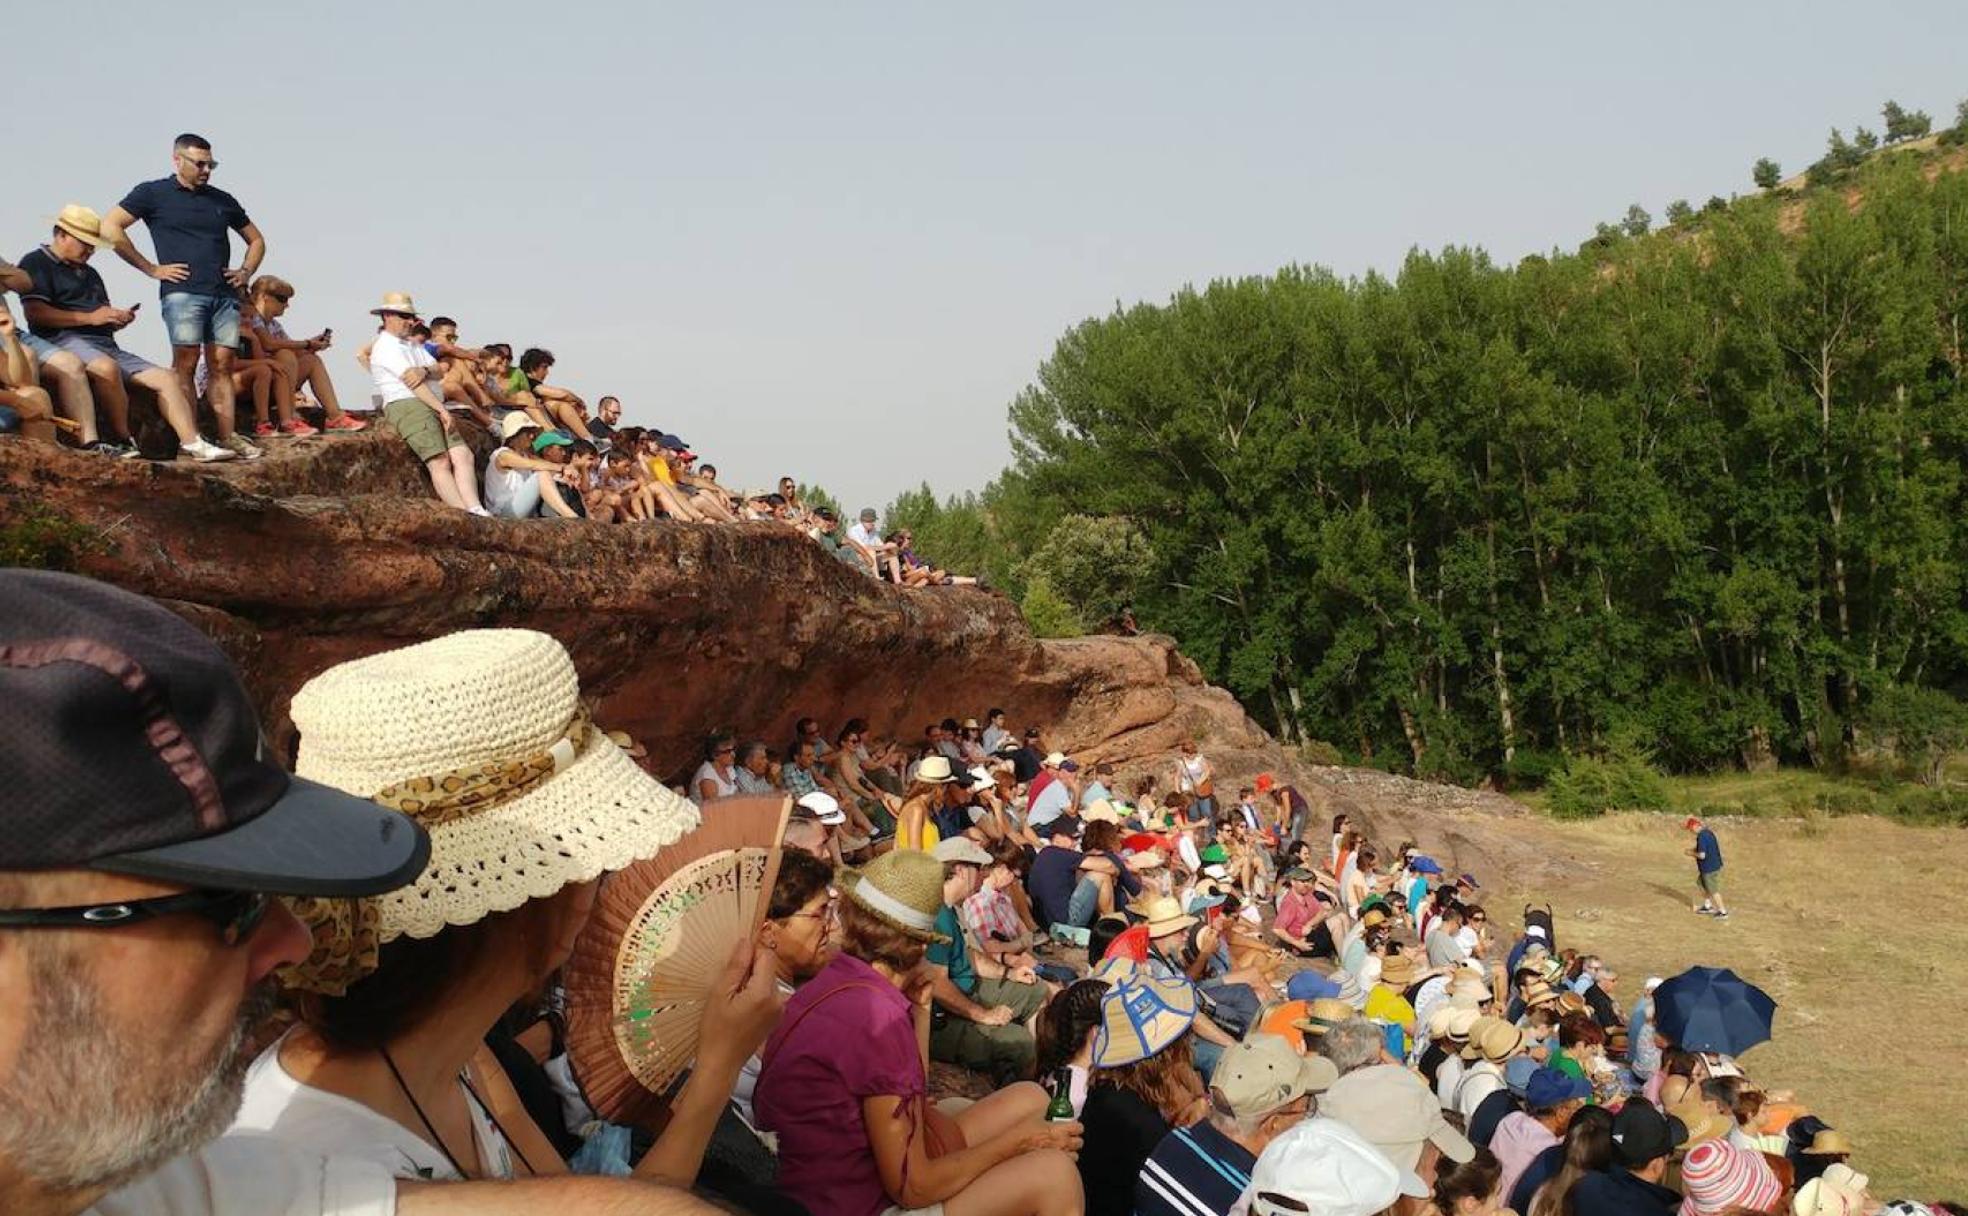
{"x":1194,"y":1171}
{"x":1708,"y":852}
{"x":189,"y":226}
{"x":953,"y":956}
{"x":70,"y":287}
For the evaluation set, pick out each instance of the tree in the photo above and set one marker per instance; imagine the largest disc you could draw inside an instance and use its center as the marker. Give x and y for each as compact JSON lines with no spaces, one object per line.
{"x":1637,"y":221}
{"x":1679,"y":212}
{"x":1905,"y":124}
{"x":1865,"y":142}
{"x":1841,"y":155}
{"x":1715,"y":203}
{"x":1766,"y":173}
{"x":1097,"y":566}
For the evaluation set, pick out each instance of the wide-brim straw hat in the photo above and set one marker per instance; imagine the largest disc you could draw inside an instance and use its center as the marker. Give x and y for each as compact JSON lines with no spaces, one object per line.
{"x":1398,"y":970}
{"x":1537,"y":992}
{"x":1100,"y":810}
{"x":1323,"y":1014}
{"x":397,"y":302}
{"x":1165,"y":916}
{"x":83,"y":224}
{"x":1472,"y":1049}
{"x":1827,"y":1142}
{"x":904,"y":890}
{"x":481,"y":736}
{"x":1140,"y":1016}
{"x":1500,"y":1041}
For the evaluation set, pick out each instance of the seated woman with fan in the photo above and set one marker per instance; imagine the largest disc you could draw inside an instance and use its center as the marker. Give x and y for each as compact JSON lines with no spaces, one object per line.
{"x":481,"y":737}
{"x":844,"y":1081}
{"x":799,"y":931}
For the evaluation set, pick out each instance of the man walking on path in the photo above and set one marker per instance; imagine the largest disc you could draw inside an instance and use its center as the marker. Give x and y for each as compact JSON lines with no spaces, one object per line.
{"x":1707,"y":853}
{"x":191,"y":222}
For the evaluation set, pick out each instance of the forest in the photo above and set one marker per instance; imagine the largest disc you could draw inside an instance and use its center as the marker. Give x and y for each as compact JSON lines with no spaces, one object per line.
{"x":1694,"y":494}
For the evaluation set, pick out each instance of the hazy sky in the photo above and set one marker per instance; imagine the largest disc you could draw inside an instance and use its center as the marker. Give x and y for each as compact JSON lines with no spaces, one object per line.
{"x":836,"y":239}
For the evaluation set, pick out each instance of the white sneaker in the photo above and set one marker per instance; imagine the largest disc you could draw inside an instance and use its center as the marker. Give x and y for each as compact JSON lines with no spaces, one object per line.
{"x":205,"y":452}
{"x":480,"y":511}
{"x":239,"y":444}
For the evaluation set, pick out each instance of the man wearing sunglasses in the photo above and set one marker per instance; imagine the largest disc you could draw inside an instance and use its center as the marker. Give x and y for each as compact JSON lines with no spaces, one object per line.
{"x":143,"y":834}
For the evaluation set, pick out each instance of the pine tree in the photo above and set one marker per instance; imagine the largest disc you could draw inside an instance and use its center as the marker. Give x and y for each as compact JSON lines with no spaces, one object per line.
{"x":1766,"y":173}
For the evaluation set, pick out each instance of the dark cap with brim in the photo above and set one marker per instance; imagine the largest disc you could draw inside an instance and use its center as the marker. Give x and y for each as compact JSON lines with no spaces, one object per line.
{"x":133,"y":748}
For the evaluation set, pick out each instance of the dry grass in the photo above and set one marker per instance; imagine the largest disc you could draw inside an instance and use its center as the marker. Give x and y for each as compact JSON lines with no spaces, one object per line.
{"x":1852,"y":924}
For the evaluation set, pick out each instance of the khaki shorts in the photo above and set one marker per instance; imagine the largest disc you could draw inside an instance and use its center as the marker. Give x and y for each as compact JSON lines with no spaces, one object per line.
{"x":1711,"y":882}
{"x":418,"y":424}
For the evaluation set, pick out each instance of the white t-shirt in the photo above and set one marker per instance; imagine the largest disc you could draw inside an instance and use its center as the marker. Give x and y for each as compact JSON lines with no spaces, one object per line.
{"x":726,"y":787}
{"x":279,"y":1105}
{"x":389,"y":359}
{"x":246,"y":1175}
{"x":863,"y":535}
{"x":1053,"y":801}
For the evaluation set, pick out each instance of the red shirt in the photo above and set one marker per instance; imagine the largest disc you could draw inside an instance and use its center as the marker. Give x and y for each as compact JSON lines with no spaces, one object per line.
{"x":1296,"y":913}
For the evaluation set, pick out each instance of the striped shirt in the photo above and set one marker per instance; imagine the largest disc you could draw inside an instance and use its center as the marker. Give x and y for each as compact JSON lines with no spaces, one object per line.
{"x":1194,"y":1171}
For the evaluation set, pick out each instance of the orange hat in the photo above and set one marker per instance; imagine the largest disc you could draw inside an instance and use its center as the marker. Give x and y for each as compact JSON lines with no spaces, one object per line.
{"x":1264,"y":782}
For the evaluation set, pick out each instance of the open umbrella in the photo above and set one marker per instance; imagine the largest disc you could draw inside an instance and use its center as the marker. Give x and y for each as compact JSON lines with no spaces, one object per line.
{"x":1713,"y":1009}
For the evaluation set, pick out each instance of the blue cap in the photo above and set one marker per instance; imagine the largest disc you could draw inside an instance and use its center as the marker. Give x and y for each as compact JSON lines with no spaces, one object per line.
{"x":1310,"y":986}
{"x":1425,"y":865}
{"x":1203,"y":903}
{"x":1548,"y":1087}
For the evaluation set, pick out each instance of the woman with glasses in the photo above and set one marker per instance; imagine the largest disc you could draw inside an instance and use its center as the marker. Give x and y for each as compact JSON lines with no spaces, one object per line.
{"x":801,"y":929}
{"x":717,"y":776}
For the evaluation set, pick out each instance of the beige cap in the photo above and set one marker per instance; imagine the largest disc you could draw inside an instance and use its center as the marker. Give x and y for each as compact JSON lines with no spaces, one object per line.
{"x":961,"y":849}
{"x":1263,"y":1074}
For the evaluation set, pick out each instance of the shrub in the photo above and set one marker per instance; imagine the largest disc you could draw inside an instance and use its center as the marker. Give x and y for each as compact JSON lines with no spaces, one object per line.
{"x":1047,"y":612}
{"x":1588,"y":787}
{"x":1318,"y":751}
{"x":41,"y":539}
{"x":1531,"y":768}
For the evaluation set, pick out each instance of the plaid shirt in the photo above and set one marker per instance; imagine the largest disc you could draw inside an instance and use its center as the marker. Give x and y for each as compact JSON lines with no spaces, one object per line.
{"x":989,"y":915}
{"x":799,"y":781}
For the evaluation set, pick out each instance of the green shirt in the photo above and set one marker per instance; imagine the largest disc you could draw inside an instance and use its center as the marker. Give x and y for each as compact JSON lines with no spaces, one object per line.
{"x":953,"y":956}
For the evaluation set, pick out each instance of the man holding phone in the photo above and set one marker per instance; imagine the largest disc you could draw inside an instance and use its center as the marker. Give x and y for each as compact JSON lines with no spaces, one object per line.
{"x":191,"y":222}
{"x":68,"y":306}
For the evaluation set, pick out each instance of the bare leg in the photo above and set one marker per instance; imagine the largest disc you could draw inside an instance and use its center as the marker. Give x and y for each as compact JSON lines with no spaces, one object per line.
{"x":999,"y":1112}
{"x":673,"y":504}
{"x":256,"y":379}
{"x":1044,"y":1183}
{"x":171,"y":399}
{"x":567,"y":418}
{"x":184,"y":365}
{"x":309,"y":370}
{"x":106,"y":384}
{"x":36,"y":409}
{"x":220,"y":359}
{"x":464,"y":471}
{"x":445,"y":482}
{"x":1105,"y":882}
{"x":555,"y":495}
{"x":62,"y":375}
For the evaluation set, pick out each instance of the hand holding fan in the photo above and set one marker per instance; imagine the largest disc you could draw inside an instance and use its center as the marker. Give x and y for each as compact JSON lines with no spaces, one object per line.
{"x":660,"y":937}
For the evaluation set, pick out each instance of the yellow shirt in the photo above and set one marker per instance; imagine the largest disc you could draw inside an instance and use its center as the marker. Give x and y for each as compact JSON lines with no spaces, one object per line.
{"x":659,"y":468}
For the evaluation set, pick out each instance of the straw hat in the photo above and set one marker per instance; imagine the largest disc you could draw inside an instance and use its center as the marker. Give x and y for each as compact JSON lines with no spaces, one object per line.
{"x":514,"y":423}
{"x":1537,"y":992}
{"x":1398,"y":970}
{"x":1701,"y":1122}
{"x":902,"y":889}
{"x":1499,"y":1041}
{"x":481,"y":737}
{"x":1139,"y":1016}
{"x":1462,"y":1022}
{"x":1827,"y":1142}
{"x":397,"y":302}
{"x":1373,"y":918}
{"x":1165,"y":916}
{"x":1840,"y":1191}
{"x":1324,"y":1014}
{"x":1473,"y":1048}
{"x":83,"y":224}
{"x":1100,"y":810}
{"x":934,"y":770}
{"x":1572,"y":1002}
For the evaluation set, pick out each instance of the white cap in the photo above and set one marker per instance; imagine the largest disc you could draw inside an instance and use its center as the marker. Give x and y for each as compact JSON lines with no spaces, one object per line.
{"x":1054,"y":759}
{"x":980,"y":779}
{"x":1653,"y":982}
{"x":824,"y":807}
{"x":1324,"y":1168}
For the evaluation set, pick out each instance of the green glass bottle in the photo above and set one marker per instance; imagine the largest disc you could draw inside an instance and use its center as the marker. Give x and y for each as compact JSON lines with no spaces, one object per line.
{"x":1060,"y":1109}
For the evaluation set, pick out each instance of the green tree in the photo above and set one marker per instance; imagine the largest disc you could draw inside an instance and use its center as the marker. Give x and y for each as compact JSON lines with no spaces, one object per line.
{"x":1679,"y":212}
{"x":1766,"y":173}
{"x":1902,"y":124}
{"x":1636,"y":221}
{"x":1047,"y":612}
{"x":1096,"y":565}
{"x":1865,"y":142}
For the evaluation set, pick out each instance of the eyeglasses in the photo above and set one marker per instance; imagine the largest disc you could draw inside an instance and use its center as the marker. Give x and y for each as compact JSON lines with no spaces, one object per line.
{"x":727,"y":751}
{"x":194,"y":162}
{"x":236,"y":913}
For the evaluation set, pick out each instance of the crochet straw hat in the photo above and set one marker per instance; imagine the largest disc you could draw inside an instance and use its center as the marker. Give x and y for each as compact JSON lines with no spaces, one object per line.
{"x":902,"y":889}
{"x":1139,"y":1016}
{"x":481,"y":736}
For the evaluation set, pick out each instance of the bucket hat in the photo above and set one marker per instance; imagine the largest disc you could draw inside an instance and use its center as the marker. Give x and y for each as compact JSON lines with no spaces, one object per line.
{"x":1263,"y":1073}
{"x":1321,"y":1165}
{"x":1397,"y":1113}
{"x":1717,"y":1176}
{"x":1165,"y":916}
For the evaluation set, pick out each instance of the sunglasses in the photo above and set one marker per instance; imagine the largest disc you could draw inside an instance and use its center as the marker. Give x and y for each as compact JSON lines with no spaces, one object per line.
{"x":236,"y":913}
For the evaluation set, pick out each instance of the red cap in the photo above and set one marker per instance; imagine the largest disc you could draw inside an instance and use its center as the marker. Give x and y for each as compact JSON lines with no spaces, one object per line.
{"x":1264,"y":782}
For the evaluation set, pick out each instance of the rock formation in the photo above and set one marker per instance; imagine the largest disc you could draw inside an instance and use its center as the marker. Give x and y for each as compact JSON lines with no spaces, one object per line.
{"x":332,"y":548}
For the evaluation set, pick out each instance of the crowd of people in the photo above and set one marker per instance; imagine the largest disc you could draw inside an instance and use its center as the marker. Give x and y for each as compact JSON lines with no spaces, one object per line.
{"x":227,"y":989}
{"x":65,"y":378}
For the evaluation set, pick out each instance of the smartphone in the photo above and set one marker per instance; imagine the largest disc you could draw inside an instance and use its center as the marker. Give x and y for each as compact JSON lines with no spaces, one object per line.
{"x":136,"y":306}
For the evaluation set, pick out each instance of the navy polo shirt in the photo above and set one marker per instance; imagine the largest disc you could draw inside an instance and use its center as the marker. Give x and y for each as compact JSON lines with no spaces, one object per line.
{"x":189,"y":226}
{"x":1194,"y":1171}
{"x":71,"y":288}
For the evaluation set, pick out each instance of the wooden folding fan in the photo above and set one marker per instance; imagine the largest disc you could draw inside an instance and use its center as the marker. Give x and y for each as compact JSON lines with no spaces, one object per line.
{"x":660,"y":937}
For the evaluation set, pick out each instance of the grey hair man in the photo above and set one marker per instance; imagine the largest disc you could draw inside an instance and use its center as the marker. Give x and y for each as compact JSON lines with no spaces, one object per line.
{"x":1354,"y":1044}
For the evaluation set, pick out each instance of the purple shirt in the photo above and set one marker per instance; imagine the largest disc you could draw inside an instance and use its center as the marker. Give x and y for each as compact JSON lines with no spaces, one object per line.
{"x":829,"y":1052}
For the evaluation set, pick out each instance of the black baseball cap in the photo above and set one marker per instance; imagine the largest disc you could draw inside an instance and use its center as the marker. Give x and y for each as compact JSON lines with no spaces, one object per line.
{"x":133,"y":748}
{"x":1641,"y":1134}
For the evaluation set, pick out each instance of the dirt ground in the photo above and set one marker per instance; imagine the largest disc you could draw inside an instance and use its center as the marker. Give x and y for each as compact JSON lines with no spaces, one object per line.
{"x":1851,"y":924}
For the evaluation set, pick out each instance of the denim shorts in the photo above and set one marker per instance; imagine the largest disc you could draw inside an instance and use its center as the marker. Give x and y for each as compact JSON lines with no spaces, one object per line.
{"x":41,"y":347}
{"x":90,"y":347}
{"x":201,"y":320}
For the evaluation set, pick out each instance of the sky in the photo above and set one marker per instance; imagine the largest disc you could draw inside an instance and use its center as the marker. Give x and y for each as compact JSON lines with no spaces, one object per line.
{"x":836,"y":240}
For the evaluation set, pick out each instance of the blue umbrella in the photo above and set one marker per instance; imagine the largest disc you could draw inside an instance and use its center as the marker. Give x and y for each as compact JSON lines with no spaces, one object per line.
{"x":1713,"y":1009}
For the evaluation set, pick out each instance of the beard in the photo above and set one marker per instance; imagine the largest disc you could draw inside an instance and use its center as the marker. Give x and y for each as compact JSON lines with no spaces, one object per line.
{"x":88,"y":1109}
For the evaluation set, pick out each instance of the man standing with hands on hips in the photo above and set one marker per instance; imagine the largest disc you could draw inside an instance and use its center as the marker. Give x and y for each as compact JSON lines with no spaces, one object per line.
{"x":1707,"y":852}
{"x":191,"y":222}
